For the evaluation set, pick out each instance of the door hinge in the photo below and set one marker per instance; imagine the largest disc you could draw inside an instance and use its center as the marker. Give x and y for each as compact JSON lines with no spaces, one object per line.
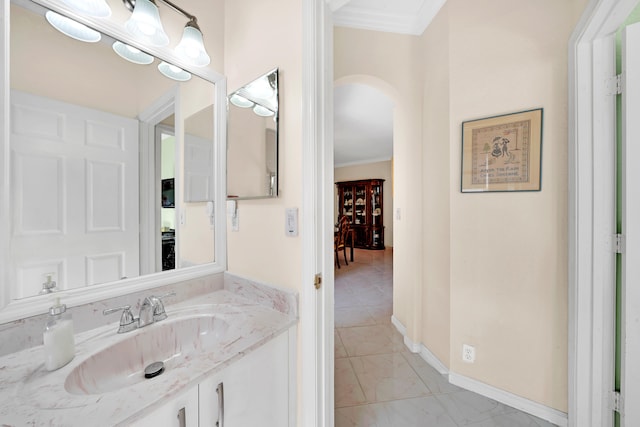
{"x":618,"y":243}
{"x":614,"y":85}
{"x":317,"y":281}
{"x":616,"y":402}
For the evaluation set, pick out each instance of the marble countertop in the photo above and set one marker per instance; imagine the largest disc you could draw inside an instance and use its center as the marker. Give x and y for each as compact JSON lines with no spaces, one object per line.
{"x":29,"y":395}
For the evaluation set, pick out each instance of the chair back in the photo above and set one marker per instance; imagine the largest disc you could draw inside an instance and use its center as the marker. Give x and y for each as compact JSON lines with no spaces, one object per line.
{"x":343,"y":229}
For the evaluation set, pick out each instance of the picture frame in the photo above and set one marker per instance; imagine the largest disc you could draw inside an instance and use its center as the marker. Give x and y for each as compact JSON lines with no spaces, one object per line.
{"x":502,"y":153}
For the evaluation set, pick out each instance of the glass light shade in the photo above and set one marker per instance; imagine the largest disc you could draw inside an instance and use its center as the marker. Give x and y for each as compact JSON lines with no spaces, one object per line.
{"x":132,"y":54}
{"x":191,"y":47}
{"x":261,"y":88}
{"x":145,"y":24}
{"x":174,"y":72}
{"x":97,"y":8}
{"x":71,"y":28}
{"x":262,"y":111}
{"x":240,"y":101}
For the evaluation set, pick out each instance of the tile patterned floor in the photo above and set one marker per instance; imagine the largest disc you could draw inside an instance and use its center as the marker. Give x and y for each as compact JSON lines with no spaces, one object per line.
{"x":378,"y":382}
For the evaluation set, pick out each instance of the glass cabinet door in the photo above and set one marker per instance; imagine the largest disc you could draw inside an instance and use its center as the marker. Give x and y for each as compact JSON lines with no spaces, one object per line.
{"x":360,"y":203}
{"x":347,"y":203}
{"x":376,"y":207}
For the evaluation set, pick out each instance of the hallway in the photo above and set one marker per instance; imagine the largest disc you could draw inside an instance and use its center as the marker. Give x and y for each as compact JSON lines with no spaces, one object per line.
{"x":378,"y":382}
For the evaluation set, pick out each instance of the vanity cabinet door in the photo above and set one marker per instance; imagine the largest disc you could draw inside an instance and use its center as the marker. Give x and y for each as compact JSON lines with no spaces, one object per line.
{"x":254,"y":391}
{"x":181,"y":411}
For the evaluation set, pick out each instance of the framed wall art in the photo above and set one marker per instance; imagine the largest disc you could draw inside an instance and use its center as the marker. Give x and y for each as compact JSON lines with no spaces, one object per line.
{"x":502,"y":153}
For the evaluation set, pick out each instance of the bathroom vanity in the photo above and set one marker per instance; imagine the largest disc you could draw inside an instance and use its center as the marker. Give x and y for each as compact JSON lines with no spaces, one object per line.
{"x":228,"y":361}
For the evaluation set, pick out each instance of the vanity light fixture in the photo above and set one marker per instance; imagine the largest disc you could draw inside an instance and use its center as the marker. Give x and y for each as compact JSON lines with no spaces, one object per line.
{"x":131,"y":53}
{"x":191,"y":47}
{"x":97,"y":8}
{"x":173,"y":72}
{"x":261,"y":88}
{"x":145,"y":24}
{"x":72,"y":28}
{"x":262,"y":111}
{"x":240,"y":101}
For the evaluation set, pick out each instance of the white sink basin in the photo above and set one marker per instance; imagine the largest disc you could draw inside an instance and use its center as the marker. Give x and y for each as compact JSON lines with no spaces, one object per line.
{"x":171,"y":341}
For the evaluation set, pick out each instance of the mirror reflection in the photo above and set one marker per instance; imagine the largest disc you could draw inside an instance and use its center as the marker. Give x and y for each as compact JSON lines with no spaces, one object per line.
{"x":252,"y":135}
{"x":108,"y":179}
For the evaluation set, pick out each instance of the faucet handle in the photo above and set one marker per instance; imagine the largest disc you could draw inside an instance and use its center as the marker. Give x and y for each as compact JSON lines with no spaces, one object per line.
{"x":158,"y":306}
{"x":127,"y":321}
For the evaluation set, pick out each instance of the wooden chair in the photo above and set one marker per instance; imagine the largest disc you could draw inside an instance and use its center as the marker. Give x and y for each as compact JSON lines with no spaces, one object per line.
{"x":340,"y":239}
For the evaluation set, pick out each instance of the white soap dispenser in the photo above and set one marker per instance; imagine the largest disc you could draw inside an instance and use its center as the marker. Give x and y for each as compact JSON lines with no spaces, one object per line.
{"x":59,"y":347}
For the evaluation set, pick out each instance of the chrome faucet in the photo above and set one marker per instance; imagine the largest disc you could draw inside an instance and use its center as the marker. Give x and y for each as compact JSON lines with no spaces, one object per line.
{"x":145,"y":317}
{"x":151,"y":311}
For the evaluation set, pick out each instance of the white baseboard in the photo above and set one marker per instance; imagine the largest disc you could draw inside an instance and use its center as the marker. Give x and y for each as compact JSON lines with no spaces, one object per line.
{"x":424,"y":352}
{"x":399,"y":326}
{"x":525,"y":405}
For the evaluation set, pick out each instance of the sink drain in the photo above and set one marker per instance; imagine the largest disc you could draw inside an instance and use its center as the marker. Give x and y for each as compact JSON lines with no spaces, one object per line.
{"x":153,"y":370}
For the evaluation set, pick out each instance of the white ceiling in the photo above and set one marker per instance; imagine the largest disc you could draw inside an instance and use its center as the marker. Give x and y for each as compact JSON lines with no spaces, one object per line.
{"x":363,"y":125}
{"x":394,"y":16}
{"x":363,"y":116}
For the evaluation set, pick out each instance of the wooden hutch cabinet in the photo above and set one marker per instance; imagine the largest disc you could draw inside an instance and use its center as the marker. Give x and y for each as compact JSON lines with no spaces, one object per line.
{"x":361,"y":202}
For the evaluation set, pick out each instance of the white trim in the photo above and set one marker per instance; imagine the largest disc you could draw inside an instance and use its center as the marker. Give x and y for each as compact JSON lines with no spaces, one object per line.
{"x":525,"y":405}
{"x":5,"y":190}
{"x":433,"y":360}
{"x":399,"y":326}
{"x":420,"y":348}
{"x":363,"y":162}
{"x":160,"y":109}
{"x":316,"y":326}
{"x":591,"y":213}
{"x":381,"y":20}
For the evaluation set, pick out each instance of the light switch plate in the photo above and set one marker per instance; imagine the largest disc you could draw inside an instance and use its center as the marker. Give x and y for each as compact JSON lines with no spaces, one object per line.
{"x":291,"y":222}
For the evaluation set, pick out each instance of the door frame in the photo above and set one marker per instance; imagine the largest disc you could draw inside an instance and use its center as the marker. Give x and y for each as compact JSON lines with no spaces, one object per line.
{"x":149,"y":119}
{"x":316,"y":314}
{"x":591,"y":129}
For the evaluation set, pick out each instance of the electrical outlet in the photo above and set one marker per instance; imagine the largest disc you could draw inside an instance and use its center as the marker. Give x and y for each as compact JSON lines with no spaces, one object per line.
{"x":468,"y":353}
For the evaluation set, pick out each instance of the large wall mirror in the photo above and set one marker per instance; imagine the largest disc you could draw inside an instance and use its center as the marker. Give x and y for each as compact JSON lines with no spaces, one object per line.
{"x":112,"y":172}
{"x":252,"y":151}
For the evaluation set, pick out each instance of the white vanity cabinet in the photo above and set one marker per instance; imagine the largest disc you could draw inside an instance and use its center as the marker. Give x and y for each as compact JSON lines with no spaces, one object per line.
{"x":181,"y":411}
{"x":254,"y":391}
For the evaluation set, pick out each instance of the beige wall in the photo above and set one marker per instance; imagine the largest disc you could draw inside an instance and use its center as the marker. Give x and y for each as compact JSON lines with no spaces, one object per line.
{"x":436,"y":262}
{"x":509,"y":250}
{"x":490,"y":269}
{"x":260,"y":36}
{"x":253,"y":46}
{"x":381,"y":170}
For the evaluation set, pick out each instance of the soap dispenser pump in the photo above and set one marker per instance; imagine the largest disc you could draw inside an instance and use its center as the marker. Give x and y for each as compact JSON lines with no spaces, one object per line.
{"x":59,"y":347}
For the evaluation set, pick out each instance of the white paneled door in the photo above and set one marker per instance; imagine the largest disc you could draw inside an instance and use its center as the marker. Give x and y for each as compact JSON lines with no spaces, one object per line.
{"x":630,"y":380}
{"x":74,"y":194}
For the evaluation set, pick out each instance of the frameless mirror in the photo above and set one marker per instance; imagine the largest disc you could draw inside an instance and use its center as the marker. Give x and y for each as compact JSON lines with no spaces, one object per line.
{"x":109,"y":179}
{"x":252,"y":139}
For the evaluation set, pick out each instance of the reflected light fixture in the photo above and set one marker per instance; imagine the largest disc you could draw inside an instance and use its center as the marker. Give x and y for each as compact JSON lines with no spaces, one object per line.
{"x":261,"y":88}
{"x":71,"y":28}
{"x":173,"y":72}
{"x":145,"y":23}
{"x":262,"y":111}
{"x":97,"y":8}
{"x":240,"y":101}
{"x":191,"y":47}
{"x":131,"y":53}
